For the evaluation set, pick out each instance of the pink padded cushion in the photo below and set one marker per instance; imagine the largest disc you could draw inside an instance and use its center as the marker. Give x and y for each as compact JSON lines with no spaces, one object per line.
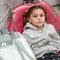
{"x":18,"y":16}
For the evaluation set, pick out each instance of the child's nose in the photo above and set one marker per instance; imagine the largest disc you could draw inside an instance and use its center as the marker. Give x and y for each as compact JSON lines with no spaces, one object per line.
{"x":39,"y":18}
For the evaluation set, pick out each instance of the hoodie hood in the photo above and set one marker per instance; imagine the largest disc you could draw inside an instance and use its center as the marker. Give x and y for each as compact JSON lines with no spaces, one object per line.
{"x":29,"y":25}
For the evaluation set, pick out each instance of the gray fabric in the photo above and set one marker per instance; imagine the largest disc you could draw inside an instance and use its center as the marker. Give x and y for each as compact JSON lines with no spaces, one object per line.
{"x":51,"y":2}
{"x":13,"y":3}
{"x":42,"y":41}
{"x":5,"y":6}
{"x":14,"y":47}
{"x":4,"y":13}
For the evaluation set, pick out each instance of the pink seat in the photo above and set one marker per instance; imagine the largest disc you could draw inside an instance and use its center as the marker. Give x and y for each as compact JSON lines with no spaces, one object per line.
{"x":18,"y":16}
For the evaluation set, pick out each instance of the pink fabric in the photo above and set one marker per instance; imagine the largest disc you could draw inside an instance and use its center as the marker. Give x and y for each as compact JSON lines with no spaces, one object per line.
{"x":18,"y":16}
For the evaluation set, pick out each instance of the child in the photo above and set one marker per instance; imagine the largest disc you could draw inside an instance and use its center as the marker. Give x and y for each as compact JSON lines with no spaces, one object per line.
{"x":42,"y":37}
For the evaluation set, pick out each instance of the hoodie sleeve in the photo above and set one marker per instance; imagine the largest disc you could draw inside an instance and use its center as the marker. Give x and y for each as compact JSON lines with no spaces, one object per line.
{"x":53,"y":33}
{"x":55,"y":36}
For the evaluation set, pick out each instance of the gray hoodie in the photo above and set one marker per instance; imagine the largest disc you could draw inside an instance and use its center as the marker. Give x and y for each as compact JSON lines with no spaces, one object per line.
{"x":42,"y":41}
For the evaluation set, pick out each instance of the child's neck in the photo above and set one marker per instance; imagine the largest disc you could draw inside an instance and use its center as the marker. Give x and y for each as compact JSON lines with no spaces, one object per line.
{"x":40,"y":28}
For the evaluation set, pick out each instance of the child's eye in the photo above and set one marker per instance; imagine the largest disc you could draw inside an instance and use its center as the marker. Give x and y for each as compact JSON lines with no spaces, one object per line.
{"x":35,"y":16}
{"x":41,"y":15}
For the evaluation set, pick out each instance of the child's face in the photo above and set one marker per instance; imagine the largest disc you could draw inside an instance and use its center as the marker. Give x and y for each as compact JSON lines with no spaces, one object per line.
{"x":37,"y":18}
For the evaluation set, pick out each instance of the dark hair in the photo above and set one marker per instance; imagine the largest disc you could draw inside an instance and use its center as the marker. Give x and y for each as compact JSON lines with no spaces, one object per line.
{"x":27,"y":14}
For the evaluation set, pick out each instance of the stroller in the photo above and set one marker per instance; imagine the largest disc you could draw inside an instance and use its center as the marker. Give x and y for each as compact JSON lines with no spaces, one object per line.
{"x":52,"y":18}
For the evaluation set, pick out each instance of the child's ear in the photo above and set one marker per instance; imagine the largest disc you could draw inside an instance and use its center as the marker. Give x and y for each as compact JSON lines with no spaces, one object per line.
{"x":29,"y":20}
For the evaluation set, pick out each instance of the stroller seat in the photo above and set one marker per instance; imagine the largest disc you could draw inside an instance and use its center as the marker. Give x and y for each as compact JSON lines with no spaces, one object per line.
{"x":52,"y":18}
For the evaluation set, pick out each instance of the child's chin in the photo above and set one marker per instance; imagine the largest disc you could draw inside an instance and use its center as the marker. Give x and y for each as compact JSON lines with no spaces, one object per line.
{"x":40,"y":24}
